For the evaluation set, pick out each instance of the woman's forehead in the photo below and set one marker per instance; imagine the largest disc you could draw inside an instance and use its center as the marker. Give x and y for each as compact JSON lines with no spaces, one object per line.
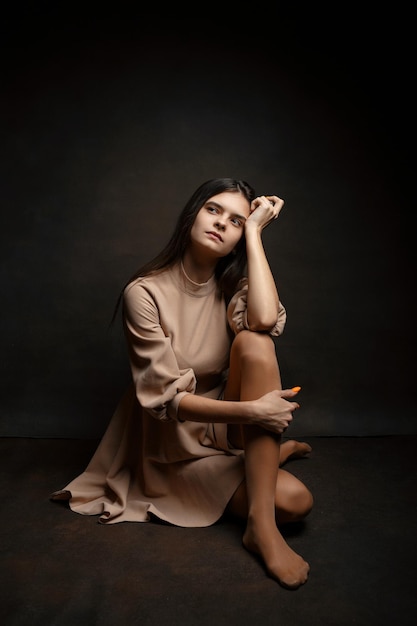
{"x":234,"y":202}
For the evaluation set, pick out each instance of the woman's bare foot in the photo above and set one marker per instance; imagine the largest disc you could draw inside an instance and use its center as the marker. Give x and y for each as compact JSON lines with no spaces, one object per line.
{"x":281,"y":562}
{"x":293,"y":449}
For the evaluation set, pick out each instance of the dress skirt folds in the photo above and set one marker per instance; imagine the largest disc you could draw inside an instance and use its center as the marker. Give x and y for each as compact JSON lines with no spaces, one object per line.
{"x":148,"y":461}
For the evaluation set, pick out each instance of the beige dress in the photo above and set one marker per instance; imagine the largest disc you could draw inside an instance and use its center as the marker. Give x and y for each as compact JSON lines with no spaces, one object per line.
{"x":148,"y":461}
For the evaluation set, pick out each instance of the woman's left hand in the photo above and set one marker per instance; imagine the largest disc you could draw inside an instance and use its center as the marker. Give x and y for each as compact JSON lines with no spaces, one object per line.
{"x":264,"y":209}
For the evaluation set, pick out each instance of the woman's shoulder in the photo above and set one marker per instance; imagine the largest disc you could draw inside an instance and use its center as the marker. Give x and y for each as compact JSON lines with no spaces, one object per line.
{"x":150,"y":282}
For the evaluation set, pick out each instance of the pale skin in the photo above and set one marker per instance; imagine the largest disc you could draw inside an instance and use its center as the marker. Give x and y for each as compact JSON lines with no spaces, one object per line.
{"x":255,"y":407}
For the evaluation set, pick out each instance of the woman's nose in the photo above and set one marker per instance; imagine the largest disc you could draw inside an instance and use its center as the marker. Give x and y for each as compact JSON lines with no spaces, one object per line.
{"x":220,"y":224}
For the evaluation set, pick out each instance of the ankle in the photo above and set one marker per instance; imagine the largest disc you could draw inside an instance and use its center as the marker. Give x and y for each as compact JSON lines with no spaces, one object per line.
{"x":261,"y":516}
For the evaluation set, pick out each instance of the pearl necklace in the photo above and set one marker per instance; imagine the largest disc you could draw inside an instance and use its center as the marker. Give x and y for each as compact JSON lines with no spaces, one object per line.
{"x":193,"y":281}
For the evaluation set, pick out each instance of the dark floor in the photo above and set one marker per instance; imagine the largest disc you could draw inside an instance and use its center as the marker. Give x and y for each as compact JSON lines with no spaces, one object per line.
{"x":61,"y":568}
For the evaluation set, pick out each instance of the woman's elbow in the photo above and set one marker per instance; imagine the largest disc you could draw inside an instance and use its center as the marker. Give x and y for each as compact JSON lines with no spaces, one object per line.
{"x":262,"y":325}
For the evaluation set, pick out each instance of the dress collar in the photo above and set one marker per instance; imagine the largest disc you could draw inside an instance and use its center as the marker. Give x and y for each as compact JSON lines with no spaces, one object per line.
{"x":190,"y":286}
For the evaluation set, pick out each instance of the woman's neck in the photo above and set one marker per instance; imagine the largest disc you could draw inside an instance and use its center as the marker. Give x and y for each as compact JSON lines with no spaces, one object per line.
{"x":196,"y":271}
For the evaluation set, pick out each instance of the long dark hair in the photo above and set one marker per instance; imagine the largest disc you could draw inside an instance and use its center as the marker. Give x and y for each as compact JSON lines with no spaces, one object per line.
{"x":229,"y":269}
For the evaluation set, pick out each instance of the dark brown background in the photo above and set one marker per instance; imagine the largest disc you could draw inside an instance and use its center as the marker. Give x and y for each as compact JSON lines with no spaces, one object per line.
{"x":111,"y":121}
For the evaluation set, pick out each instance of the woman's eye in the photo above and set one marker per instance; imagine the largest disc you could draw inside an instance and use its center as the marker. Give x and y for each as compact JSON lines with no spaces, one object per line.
{"x":236,"y":221}
{"x":212,"y":209}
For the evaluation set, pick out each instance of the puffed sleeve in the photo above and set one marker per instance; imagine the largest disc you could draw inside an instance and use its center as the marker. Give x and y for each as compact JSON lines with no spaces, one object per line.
{"x":159,"y":382}
{"x":237,"y":312}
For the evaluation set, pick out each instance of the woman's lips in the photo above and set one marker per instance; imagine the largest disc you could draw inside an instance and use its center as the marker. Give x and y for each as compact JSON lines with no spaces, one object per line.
{"x":214,"y":235}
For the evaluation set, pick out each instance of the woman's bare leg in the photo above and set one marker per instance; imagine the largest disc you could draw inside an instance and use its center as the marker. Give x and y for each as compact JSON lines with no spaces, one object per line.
{"x":253,"y":372}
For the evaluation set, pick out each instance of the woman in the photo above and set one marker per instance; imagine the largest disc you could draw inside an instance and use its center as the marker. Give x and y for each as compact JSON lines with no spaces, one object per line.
{"x":199,"y":432}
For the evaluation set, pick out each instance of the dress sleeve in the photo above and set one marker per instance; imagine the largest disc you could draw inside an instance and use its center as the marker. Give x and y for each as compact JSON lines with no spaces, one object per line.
{"x":237,"y":312}
{"x":159,"y":382}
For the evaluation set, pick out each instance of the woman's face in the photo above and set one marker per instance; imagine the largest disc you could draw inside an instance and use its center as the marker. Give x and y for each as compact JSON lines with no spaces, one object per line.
{"x":220,"y":223}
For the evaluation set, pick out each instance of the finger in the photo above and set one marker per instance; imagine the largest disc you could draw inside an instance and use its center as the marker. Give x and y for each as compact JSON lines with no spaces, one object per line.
{"x":290,"y":393}
{"x":269,"y":201}
{"x":266,"y":208}
{"x":265,"y":201}
{"x":275,"y":200}
{"x":258,"y":203}
{"x":276,"y":203}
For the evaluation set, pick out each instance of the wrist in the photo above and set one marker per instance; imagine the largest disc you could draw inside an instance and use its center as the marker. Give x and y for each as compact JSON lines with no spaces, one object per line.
{"x":252,"y":231}
{"x":247,"y":411}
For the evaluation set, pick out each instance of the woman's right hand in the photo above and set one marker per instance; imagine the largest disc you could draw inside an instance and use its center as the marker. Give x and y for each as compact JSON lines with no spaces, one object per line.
{"x":263,"y":211}
{"x":274,"y":412}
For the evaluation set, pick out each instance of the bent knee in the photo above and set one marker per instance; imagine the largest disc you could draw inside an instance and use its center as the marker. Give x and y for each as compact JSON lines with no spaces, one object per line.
{"x":305,"y":502}
{"x":295,"y":505}
{"x":301,"y":501}
{"x":253,"y":345}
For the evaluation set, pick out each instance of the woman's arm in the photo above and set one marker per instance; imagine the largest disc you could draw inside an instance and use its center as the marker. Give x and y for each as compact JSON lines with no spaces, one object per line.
{"x":263,"y":298}
{"x":272,"y":411}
